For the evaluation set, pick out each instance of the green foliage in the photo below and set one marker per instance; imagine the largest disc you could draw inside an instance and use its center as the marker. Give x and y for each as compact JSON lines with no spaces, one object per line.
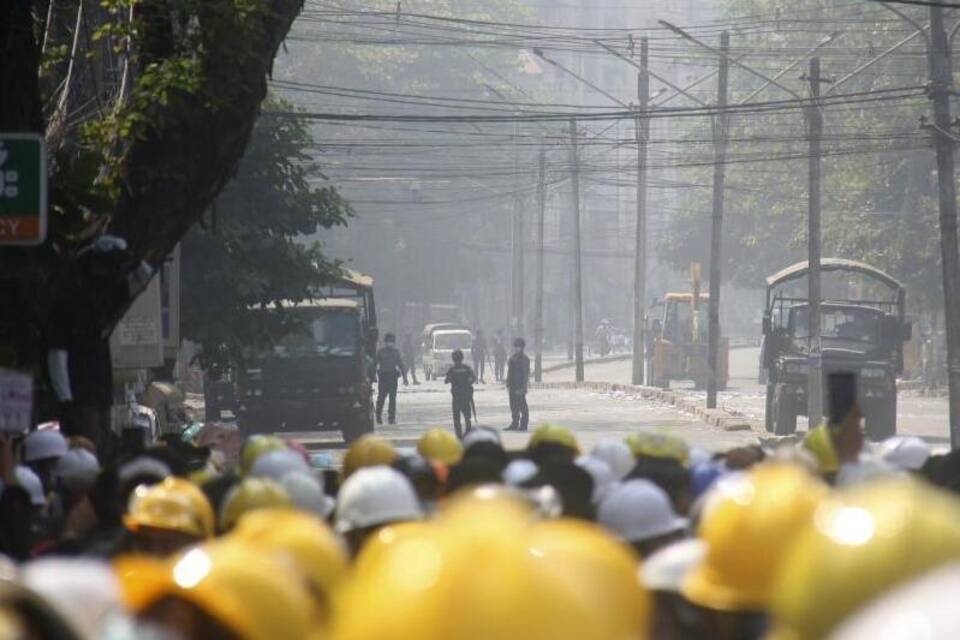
{"x":250,"y":252}
{"x":878,"y":189}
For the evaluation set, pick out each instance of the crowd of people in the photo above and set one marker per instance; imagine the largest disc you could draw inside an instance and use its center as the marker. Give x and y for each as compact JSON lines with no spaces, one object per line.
{"x":638,"y":538}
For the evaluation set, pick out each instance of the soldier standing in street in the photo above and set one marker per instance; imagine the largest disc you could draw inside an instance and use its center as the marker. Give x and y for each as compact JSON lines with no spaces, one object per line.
{"x":460,"y":378}
{"x":390,"y":368}
{"x":518,"y":376}
{"x":409,"y":353}
{"x":479,"y":354}
{"x":499,"y":356}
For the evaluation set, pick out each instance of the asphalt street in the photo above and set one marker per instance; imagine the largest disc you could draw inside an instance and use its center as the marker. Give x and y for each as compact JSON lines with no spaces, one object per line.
{"x":592,"y":416}
{"x":918,"y":415}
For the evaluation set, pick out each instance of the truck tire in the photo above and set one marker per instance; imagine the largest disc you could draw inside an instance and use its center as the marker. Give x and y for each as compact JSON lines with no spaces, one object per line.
{"x":768,"y":419}
{"x":363,"y":426}
{"x":881,"y":423}
{"x":785,"y":411}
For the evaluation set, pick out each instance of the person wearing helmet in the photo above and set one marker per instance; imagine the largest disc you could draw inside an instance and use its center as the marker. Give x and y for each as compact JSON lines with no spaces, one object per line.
{"x":371,"y":498}
{"x":839,"y":441}
{"x":167,"y":517}
{"x":863,"y":543}
{"x":750,"y":523}
{"x":639,"y":513}
{"x":318,"y":554}
{"x":390,"y":367}
{"x":224,"y":590}
{"x":367,"y":451}
{"x":41,"y":452}
{"x":460,"y":378}
{"x":440,"y":445}
{"x":518,"y":377}
{"x":255,"y":446}
{"x":248,"y":495}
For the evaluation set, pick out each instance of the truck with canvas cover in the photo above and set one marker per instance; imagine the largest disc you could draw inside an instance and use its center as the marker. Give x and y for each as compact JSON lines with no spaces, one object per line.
{"x":862,"y":330}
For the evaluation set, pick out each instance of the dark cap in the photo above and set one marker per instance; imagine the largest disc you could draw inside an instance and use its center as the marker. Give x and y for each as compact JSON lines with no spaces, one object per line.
{"x":457,"y":355}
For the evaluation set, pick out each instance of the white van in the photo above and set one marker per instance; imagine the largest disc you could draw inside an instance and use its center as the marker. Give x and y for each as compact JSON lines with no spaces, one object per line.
{"x":438,"y":353}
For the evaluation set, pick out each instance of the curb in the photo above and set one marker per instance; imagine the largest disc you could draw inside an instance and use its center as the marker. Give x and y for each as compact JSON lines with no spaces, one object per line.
{"x":570,"y":364}
{"x":714,"y":417}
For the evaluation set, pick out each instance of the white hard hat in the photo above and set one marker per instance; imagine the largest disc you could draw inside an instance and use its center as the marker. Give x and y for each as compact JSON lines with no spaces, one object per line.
{"x":866,"y":469}
{"x":617,"y":455}
{"x":602,"y":474}
{"x":480,"y":434}
{"x":519,"y":471}
{"x":143,"y":466}
{"x":30,"y":482}
{"x":905,"y":452}
{"x":39,"y":445}
{"x":666,"y":569}
{"x":638,"y":510}
{"x":307,"y":494}
{"x":77,"y":469}
{"x":921,"y":608}
{"x":276,"y":464}
{"x":375,"y":496}
{"x":85,"y":592}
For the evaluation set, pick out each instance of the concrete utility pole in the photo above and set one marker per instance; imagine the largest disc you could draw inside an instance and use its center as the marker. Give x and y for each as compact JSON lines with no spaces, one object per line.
{"x":577,"y":272}
{"x":541,"y":211}
{"x":716,"y":229}
{"x":815,"y":371}
{"x":941,"y":87}
{"x":640,"y":269}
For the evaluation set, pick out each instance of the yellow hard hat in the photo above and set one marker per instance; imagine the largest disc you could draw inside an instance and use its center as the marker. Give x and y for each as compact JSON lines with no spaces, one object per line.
{"x":307,"y":541}
{"x":819,"y":442}
{"x":440,"y":445}
{"x":553,"y":433}
{"x":368,"y":451}
{"x":236,"y":584}
{"x":600,"y":569}
{"x":174,"y":504}
{"x":250,"y":494}
{"x":749,"y":522}
{"x":860,"y":543}
{"x":384,"y":539}
{"x":469,"y":576}
{"x":659,"y":445}
{"x":257,"y":445}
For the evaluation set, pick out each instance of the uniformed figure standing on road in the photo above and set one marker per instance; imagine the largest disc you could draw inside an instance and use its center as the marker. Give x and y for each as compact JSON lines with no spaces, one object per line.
{"x":518,"y":376}
{"x":479,"y":353}
{"x":460,"y":378}
{"x":390,"y":368}
{"x":499,"y":356}
{"x":409,"y":352}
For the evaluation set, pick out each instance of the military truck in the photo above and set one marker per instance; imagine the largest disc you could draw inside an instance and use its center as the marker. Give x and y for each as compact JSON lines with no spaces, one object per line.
{"x":862,"y":330}
{"x":318,"y":377}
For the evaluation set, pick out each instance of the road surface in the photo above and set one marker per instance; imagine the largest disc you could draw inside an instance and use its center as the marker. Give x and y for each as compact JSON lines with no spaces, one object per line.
{"x":926,"y":417}
{"x":592,"y":416}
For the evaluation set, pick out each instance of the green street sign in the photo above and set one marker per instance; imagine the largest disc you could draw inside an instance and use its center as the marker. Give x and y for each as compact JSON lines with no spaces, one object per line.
{"x":23,"y":189}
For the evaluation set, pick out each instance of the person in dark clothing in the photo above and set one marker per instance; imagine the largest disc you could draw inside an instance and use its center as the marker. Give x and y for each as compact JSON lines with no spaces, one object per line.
{"x":390,"y":368}
{"x":409,"y":352}
{"x":499,"y":356}
{"x":518,"y":376}
{"x":460,"y":378}
{"x":479,"y":354}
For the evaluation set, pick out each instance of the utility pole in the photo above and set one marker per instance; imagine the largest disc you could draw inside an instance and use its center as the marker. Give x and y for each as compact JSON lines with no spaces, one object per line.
{"x":516,"y":310}
{"x":577,"y":272}
{"x":815,"y":367}
{"x":541,"y":211}
{"x":941,"y":86}
{"x":716,"y":229}
{"x":640,"y":269}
